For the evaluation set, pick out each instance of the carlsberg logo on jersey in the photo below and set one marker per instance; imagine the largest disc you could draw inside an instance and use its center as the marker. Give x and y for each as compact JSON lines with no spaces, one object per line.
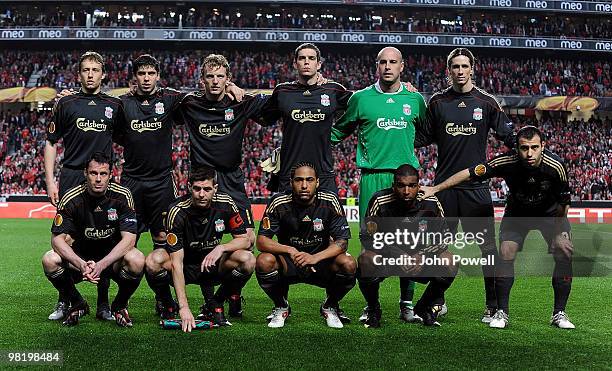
{"x":141,"y":126}
{"x":214,"y":131}
{"x":388,"y":124}
{"x":307,"y":116}
{"x":98,"y":234}
{"x":454,"y":130}
{"x":90,"y":125}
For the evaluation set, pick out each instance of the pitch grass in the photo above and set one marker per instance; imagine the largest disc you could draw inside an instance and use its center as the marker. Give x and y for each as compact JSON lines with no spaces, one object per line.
{"x":305,"y":342}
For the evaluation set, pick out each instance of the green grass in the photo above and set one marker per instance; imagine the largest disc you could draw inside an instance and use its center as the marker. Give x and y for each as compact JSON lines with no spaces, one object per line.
{"x":305,"y":342}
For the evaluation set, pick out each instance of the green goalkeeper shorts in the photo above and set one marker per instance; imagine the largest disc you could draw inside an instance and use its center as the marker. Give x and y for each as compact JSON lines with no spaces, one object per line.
{"x":372,"y":182}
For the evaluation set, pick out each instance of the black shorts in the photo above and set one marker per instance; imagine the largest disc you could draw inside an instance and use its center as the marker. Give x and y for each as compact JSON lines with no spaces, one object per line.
{"x":516,"y":228}
{"x":77,"y":276}
{"x":151,"y":201}
{"x":474,"y":208}
{"x":194,"y":275}
{"x":70,"y":178}
{"x":322,"y":276}
{"x":232,"y":183}
{"x":326,"y":183}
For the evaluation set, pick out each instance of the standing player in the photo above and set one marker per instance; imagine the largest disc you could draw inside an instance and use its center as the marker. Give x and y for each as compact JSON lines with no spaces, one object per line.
{"x":194,"y":253}
{"x":388,"y":211}
{"x":385,"y":115}
{"x":313,"y":237}
{"x":99,"y":217}
{"x":458,"y":121}
{"x":539,"y":199}
{"x":85,"y":121}
{"x":308,"y":110}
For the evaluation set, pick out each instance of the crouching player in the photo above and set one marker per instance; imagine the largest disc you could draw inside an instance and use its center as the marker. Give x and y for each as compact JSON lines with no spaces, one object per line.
{"x":93,"y":237}
{"x":399,"y":208}
{"x":194,"y":253}
{"x":539,"y":199}
{"x":313,"y":237}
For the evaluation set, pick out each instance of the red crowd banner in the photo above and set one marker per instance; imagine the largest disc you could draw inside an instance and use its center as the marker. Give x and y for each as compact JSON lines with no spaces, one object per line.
{"x":44,"y":210}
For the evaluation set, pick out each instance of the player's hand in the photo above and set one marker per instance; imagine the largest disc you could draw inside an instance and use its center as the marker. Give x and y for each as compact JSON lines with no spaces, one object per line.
{"x":304,"y":259}
{"x":410,"y":87}
{"x":416,"y":267}
{"x":86,"y":268}
{"x":65,"y":93}
{"x":321,"y":80}
{"x":427,"y":191}
{"x":211,"y":259}
{"x":187,"y":320}
{"x":96,"y":272}
{"x":234,"y":92}
{"x":563,"y":244}
{"x":53,"y":193}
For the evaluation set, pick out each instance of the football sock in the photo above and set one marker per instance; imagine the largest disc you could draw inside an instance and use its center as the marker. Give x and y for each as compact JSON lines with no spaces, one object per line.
{"x":102,"y":287}
{"x":503,"y":283}
{"x":562,"y":282}
{"x":369,"y":287}
{"x":159,"y":282}
{"x":274,"y":286}
{"x":434,"y":290}
{"x":231,"y":284}
{"x":406,"y":289}
{"x":340,"y":285}
{"x":208,"y":292}
{"x":128,"y":283}
{"x":488,"y":272}
{"x":61,"y":280}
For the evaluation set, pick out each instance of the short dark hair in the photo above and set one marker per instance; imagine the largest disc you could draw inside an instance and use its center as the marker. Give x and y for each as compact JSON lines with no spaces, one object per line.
{"x":92,"y":56}
{"x":405,"y":170}
{"x":460,"y":51}
{"x":202,"y":173}
{"x":307,"y":46}
{"x":303,"y":164}
{"x":528,"y":132}
{"x":101,"y":158}
{"x":145,"y":60}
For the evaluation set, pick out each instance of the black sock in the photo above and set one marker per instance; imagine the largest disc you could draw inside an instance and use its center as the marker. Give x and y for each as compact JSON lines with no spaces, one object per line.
{"x":503,"y":283}
{"x":369,"y":287}
{"x":231,"y":284}
{"x":61,"y":280}
{"x":159,"y":282}
{"x":274,"y":286}
{"x":562,"y":282}
{"x":435,"y":289}
{"x":406,"y":289}
{"x":340,"y":285}
{"x":128,"y":283}
{"x":102,"y":287}
{"x":488,"y":273}
{"x":208,"y":292}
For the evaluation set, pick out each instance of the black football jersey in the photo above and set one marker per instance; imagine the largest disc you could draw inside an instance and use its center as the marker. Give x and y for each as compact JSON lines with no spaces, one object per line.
{"x":146,"y":133}
{"x":459,"y":123}
{"x":216,"y":129}
{"x":308,"y":113}
{"x":306,"y":228}
{"x":198,"y":230}
{"x":95,"y":223}
{"x":533,"y":191}
{"x":86,"y":123}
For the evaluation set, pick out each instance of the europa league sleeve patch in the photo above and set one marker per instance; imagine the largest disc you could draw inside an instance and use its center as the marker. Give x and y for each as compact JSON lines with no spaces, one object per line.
{"x":171,"y":239}
{"x":371,"y":227}
{"x":58,"y":220}
{"x":235,"y":221}
{"x":265,"y":223}
{"x":480,"y":170}
{"x":51,"y":127}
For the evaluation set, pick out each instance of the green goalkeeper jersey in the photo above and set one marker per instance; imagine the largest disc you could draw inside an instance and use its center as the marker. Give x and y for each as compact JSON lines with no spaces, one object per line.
{"x":386,"y":126}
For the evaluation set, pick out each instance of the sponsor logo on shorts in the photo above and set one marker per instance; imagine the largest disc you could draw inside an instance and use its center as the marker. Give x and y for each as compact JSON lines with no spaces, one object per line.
{"x":90,"y":125}
{"x":454,"y":130}
{"x":98,"y":234}
{"x":307,"y":116}
{"x":388,"y":124}
{"x":141,"y":126}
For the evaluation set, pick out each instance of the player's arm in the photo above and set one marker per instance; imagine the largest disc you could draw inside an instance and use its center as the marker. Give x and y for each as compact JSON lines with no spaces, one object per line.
{"x":239,"y":241}
{"x":346,"y":125}
{"x":268,"y":228}
{"x":562,"y":239}
{"x":494,"y":168}
{"x":127,"y":242}
{"x":335,"y":248}
{"x":502,"y":126}
{"x":49,"y":160}
{"x":256,"y":110}
{"x":63,"y":249}
{"x":455,"y":179}
{"x":270,"y":111}
{"x":424,"y":125}
{"x":178,"y":280}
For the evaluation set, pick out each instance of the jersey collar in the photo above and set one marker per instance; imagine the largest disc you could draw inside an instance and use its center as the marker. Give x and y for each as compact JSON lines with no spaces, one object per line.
{"x":378,"y":88}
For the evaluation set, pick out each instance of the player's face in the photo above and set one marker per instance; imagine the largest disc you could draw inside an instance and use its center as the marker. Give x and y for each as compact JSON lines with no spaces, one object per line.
{"x":460,"y":70}
{"x":390,"y":66}
{"x":306,"y":63}
{"x":304,"y":184}
{"x":146,"y":80}
{"x":214,"y":80}
{"x":98,"y":175}
{"x":530,"y":150}
{"x":91,"y":76}
{"x":202,"y":193}
{"x":406,"y":188}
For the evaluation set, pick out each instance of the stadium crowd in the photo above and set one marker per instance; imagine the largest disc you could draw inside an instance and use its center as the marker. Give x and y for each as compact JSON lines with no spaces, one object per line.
{"x":288,"y":17}
{"x":586,"y":148}
{"x":263,"y":70}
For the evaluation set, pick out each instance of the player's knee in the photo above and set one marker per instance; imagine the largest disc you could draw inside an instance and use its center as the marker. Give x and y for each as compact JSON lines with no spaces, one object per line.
{"x":508,"y":250}
{"x":245,"y":260}
{"x":134,"y":261}
{"x":266,"y":263}
{"x":346,"y":264}
{"x":155,"y":261}
{"x":51,"y":261}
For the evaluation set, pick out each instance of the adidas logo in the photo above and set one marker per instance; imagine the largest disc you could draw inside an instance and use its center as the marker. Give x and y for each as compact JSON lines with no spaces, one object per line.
{"x":390,"y":100}
{"x":461,"y":105}
{"x":145,"y":103}
{"x":91,"y":103}
{"x":98,"y":209}
{"x":306,"y":219}
{"x":307,"y":93}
